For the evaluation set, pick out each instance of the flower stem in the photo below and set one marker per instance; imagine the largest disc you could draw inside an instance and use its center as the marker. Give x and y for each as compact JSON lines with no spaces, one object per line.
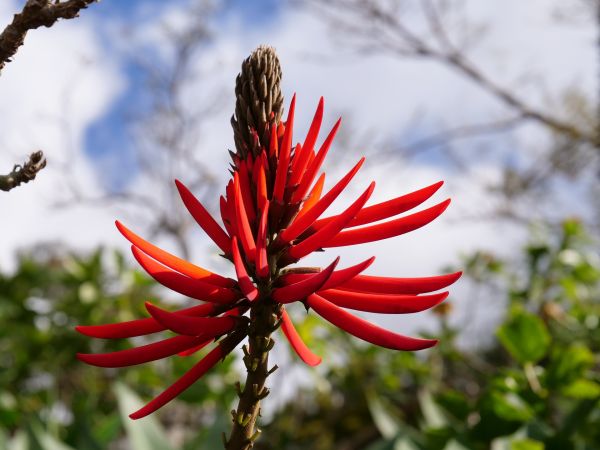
{"x":265,"y":318}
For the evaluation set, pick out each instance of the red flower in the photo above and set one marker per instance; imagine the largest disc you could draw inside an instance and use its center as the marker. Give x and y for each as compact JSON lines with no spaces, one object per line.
{"x":272,"y":216}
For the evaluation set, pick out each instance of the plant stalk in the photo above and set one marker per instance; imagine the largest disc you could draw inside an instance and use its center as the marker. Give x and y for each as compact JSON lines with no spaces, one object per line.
{"x":264,"y":319}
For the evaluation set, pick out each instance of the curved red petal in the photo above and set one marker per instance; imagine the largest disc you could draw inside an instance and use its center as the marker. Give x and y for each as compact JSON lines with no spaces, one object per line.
{"x":315,"y":126}
{"x":388,"y":208}
{"x":191,"y":326}
{"x":315,"y":165}
{"x":189,"y":378}
{"x":312,"y":212}
{"x":261,"y":186}
{"x":296,"y":161}
{"x":246,"y":193}
{"x":389,"y":229}
{"x":242,"y":222}
{"x":390,"y":285}
{"x":296,"y":341}
{"x":365,"y":330}
{"x":193,"y":350}
{"x":184,"y":285}
{"x":274,"y":142}
{"x":139,"y":355}
{"x":174,"y":262}
{"x":383,"y":303}
{"x":140,"y":327}
{"x":300,"y":290}
{"x":338,"y":277}
{"x":314,"y":196}
{"x":203,"y":217}
{"x":283,"y":162}
{"x":227,"y":220}
{"x":262,"y":263}
{"x":246,"y":285}
{"x":325,"y":234}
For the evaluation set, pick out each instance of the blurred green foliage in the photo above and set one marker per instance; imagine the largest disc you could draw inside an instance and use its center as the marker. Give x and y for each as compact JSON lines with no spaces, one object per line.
{"x":531,"y":383}
{"x":536,"y":385}
{"x":47,"y":395}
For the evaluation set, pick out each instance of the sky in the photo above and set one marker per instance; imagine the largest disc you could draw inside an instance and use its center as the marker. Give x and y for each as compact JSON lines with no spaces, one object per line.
{"x":71,"y":89}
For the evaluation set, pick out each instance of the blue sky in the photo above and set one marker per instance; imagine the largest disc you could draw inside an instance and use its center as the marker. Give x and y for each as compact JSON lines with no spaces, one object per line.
{"x":108,"y":139}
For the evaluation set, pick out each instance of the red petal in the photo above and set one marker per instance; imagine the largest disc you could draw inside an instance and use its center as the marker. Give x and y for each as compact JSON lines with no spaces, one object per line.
{"x":389,"y":285}
{"x":247,"y":194}
{"x":262,"y":263}
{"x":184,"y":285}
{"x":296,"y":161}
{"x":172,"y":261}
{"x":140,"y":327}
{"x":189,"y":378}
{"x":337,"y":278}
{"x":261,"y":187}
{"x":315,"y":165}
{"x":193,"y":350}
{"x":296,"y":341}
{"x":204,"y":219}
{"x":309,"y":216}
{"x":242,"y":224}
{"x":389,"y":208}
{"x":365,"y":330}
{"x":314,"y":196}
{"x":192,"y":326}
{"x":246,"y":285}
{"x":227,"y":220}
{"x":315,"y":126}
{"x":325,"y":234}
{"x":230,"y":199}
{"x":300,"y":290}
{"x":383,"y":303}
{"x":283,"y":162}
{"x":139,"y":355}
{"x":273,"y":143}
{"x":388,"y":229}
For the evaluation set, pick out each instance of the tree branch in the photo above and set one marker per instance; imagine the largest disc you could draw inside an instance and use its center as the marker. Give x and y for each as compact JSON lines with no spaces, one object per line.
{"x":25,"y":173}
{"x":35,"y":14}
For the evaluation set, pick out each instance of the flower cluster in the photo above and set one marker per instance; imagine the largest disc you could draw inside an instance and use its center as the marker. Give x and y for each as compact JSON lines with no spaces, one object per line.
{"x":273,"y":216}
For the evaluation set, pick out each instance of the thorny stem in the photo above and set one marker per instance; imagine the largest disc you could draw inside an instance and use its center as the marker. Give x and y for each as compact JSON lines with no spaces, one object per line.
{"x":265,"y":318}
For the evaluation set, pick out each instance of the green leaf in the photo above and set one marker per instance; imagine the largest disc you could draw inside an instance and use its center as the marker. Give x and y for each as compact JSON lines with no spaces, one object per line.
{"x":455,"y":403}
{"x":432,"y":413}
{"x":510,"y":406}
{"x":19,"y":441}
{"x":383,"y":418}
{"x":526,"y":444}
{"x":143,"y":434}
{"x":569,"y":364}
{"x":525,"y":337}
{"x":582,"y":388}
{"x":455,"y":445}
{"x":46,"y":441}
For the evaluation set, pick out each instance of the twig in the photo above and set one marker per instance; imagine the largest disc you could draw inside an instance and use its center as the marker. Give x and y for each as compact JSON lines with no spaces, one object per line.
{"x":375,"y":21}
{"x":35,"y":14}
{"x":25,"y":173}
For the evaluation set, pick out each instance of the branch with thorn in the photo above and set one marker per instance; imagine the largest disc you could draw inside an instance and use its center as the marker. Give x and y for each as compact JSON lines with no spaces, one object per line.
{"x":25,"y":173}
{"x":35,"y":14}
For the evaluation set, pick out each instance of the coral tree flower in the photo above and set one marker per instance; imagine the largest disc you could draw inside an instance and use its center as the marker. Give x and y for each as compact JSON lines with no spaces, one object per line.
{"x":273,"y":214}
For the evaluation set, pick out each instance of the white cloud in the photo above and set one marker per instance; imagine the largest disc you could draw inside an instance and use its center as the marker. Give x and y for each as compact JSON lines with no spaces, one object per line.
{"x":380,"y":92}
{"x":59,"y":82}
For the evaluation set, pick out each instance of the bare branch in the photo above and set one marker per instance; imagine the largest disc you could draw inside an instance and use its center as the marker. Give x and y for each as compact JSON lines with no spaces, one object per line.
{"x":371,"y":20}
{"x":35,"y":14}
{"x":25,"y":173}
